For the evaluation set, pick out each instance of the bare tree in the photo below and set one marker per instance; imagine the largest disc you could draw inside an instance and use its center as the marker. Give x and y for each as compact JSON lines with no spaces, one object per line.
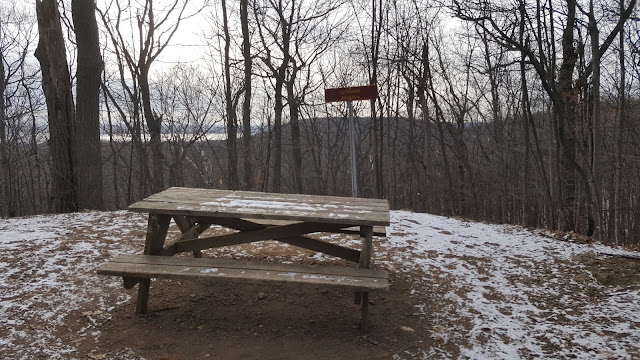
{"x":4,"y":156}
{"x":615,"y":217}
{"x":87,"y":148}
{"x":56,"y":81}
{"x":137,"y":56}
{"x":230,"y":115}
{"x":293,"y":37}
{"x":185,"y":97}
{"x":246,"y":105}
{"x":15,"y":41}
{"x":277,"y":72}
{"x":561,"y":87}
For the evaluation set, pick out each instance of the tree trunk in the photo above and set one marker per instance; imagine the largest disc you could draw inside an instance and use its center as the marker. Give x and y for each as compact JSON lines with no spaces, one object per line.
{"x":88,"y":152}
{"x":114,"y":156}
{"x":232,"y":131}
{"x":277,"y":136}
{"x":294,"y":123}
{"x":36,"y":155}
{"x":596,"y":205}
{"x":246,"y":106}
{"x":4,"y":153}
{"x":378,"y":123}
{"x":427,"y":151}
{"x":615,"y":208}
{"x":57,"y":89}
{"x":566,"y":105}
{"x":154,"y":124}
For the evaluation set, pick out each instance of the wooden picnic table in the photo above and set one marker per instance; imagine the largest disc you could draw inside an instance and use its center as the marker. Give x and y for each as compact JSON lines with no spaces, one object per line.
{"x":256,"y":216}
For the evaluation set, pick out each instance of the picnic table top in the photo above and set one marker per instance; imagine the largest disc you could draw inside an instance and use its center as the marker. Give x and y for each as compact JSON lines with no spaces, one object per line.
{"x":260,"y":205}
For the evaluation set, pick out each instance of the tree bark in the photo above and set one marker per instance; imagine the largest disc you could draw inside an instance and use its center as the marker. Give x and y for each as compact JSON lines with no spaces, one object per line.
{"x":246,"y":105}
{"x":154,"y":124}
{"x":294,"y":123}
{"x":277,"y":134}
{"x":56,"y":83}
{"x":232,"y":131}
{"x":595,"y":125}
{"x":615,"y":209}
{"x":4,"y":153}
{"x":378,"y":122}
{"x":87,"y":149}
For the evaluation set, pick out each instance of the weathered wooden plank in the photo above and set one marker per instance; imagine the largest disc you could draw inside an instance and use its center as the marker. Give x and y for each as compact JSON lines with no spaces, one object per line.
{"x":366,"y":233}
{"x":365,"y":311}
{"x":377,"y":231}
{"x":253,"y":205}
{"x":213,"y":242}
{"x":244,"y":225}
{"x":267,"y":206}
{"x":304,"y":242}
{"x":178,"y":193}
{"x":240,"y":275}
{"x":365,"y":253}
{"x":266,"y":199}
{"x":328,"y":248}
{"x":157,"y":227}
{"x":255,"y":265}
{"x":372,"y":218}
{"x":142,"y":300}
{"x":252,"y":232}
{"x":183,"y":224}
{"x":354,"y":230}
{"x":264,"y":233}
{"x":129,"y":283}
{"x":191,"y":231}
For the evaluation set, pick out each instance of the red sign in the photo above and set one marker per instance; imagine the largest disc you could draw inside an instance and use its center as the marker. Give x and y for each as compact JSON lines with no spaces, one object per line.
{"x":351,"y":93}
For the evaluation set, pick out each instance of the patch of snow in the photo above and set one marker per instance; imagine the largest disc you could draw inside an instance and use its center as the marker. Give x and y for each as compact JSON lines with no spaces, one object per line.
{"x":208,"y":271}
{"x":501,"y":277}
{"x":262,"y":204}
{"x":47,"y":276}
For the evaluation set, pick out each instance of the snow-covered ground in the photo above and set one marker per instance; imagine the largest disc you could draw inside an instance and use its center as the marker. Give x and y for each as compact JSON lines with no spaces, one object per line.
{"x":521,"y":291}
{"x":501,"y":292}
{"x":46,"y":275}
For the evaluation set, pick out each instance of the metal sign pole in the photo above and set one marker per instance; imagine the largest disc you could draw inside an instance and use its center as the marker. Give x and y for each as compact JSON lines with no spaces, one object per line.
{"x":349,"y":94}
{"x":352,"y":151}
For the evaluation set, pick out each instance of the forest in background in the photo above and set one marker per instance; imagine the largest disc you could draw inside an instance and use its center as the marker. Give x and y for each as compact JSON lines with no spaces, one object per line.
{"x":521,"y":112}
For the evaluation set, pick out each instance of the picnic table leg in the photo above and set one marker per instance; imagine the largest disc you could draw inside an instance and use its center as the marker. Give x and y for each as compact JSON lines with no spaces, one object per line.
{"x":365,"y":263}
{"x":190,"y":229}
{"x":357,"y":299}
{"x":156,"y":234}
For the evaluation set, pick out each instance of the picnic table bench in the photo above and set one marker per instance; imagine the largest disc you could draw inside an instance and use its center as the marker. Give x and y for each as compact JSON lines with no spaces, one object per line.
{"x":254,"y":216}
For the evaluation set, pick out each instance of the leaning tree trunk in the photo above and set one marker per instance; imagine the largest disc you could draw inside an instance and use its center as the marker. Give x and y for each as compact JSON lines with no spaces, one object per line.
{"x":88,"y":154}
{"x":56,"y":83}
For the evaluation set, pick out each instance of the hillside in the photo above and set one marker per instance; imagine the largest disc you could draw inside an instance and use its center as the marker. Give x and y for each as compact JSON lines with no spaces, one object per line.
{"x":460,"y":289}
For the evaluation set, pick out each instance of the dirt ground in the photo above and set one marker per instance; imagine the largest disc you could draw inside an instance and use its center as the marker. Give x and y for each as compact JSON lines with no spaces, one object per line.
{"x":200,"y":320}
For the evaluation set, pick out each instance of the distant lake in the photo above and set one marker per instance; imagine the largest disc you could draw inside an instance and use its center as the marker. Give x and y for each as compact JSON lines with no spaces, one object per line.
{"x":167,"y":137}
